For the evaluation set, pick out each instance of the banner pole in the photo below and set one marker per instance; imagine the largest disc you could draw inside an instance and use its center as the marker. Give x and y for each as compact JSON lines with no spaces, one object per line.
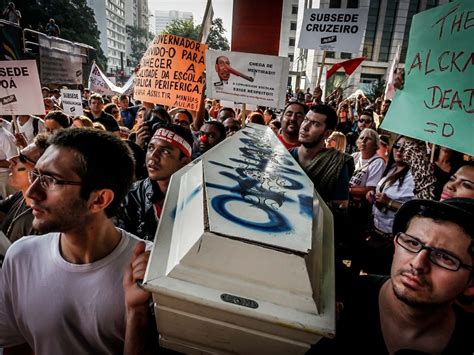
{"x":243,"y":114}
{"x":433,"y":148}
{"x":323,"y":61}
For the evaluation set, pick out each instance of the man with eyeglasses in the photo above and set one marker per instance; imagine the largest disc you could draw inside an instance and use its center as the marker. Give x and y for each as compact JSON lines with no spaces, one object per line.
{"x":169,"y":150}
{"x":366,"y":120}
{"x":414,"y":310}
{"x":74,"y":289}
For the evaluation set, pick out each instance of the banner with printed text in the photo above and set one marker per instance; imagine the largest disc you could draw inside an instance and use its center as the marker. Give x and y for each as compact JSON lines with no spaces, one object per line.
{"x":20,"y":90}
{"x":437,"y":100}
{"x":249,"y":78}
{"x":339,"y":30}
{"x":172,"y":72}
{"x":99,"y":83}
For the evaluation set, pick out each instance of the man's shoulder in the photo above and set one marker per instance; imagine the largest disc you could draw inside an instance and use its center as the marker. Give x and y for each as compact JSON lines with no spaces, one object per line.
{"x":29,"y":245}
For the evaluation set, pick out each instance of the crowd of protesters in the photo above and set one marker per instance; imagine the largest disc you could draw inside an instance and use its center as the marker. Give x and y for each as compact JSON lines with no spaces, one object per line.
{"x":76,"y":179}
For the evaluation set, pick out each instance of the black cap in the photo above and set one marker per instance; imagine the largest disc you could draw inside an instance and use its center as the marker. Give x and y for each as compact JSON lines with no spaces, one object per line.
{"x":457,"y":210}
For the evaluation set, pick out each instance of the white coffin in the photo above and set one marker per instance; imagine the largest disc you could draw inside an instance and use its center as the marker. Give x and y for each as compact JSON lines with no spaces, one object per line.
{"x":243,"y":261}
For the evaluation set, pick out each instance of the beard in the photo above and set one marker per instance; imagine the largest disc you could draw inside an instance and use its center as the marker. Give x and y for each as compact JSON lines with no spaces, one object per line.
{"x":313,"y":143}
{"x":426,"y":303}
{"x":64,"y":217}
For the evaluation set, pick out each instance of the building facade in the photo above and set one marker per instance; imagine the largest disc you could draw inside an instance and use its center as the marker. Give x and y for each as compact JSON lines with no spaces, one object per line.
{"x":137,"y":15}
{"x":163,"y":18}
{"x":110,"y":18}
{"x":388,"y":27}
{"x":288,"y":30}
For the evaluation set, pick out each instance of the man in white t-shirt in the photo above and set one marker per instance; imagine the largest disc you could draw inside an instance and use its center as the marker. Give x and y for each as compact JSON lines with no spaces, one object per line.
{"x":66,"y":291}
{"x":8,"y":150}
{"x":30,"y":126}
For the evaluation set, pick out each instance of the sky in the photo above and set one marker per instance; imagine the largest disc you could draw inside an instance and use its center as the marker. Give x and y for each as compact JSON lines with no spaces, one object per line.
{"x":222,"y":9}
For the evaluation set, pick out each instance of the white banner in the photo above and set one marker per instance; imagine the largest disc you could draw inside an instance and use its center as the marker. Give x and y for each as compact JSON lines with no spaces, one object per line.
{"x":339,"y":30}
{"x":20,"y":89}
{"x":100,"y":84}
{"x":243,"y":77}
{"x":72,"y":102}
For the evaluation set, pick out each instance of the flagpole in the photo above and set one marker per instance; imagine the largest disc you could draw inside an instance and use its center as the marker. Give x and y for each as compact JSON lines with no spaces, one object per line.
{"x":321,"y":68}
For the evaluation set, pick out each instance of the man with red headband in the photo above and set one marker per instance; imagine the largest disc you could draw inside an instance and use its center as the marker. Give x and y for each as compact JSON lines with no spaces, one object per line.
{"x":168,"y":151}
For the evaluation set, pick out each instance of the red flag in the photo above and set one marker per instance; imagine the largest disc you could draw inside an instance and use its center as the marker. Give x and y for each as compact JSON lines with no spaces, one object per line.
{"x":349,"y":66}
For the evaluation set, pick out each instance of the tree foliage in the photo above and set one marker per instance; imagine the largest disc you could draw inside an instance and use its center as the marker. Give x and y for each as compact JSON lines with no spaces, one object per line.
{"x":375,"y":90}
{"x":139,"y":39}
{"x":186,"y":28}
{"x":74,"y":17}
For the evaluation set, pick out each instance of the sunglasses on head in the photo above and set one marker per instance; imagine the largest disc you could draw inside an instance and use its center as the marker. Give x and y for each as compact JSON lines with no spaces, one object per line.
{"x":24,"y":159}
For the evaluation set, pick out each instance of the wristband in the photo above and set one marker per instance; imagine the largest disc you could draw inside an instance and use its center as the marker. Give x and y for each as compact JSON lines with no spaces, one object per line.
{"x":389,"y":206}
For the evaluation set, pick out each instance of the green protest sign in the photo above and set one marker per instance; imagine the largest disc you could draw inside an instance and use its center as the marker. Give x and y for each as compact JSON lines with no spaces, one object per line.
{"x":437,"y":101}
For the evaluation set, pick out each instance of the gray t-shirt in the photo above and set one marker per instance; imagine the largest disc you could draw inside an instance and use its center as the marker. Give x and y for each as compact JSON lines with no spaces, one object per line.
{"x":58,"y":307}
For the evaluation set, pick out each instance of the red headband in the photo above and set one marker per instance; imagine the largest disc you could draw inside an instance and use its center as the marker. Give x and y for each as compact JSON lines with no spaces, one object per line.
{"x":174,"y":139}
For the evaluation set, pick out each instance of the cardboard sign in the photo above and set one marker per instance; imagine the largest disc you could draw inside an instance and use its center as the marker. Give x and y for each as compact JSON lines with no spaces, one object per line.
{"x":172,"y":72}
{"x":100,"y":84}
{"x":250,"y":78}
{"x":20,"y":90}
{"x":437,"y":101}
{"x":72,"y":102}
{"x":338,"y":30}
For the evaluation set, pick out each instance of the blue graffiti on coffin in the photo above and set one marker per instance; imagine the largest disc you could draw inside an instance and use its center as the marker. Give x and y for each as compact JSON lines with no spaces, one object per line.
{"x":262,"y":177}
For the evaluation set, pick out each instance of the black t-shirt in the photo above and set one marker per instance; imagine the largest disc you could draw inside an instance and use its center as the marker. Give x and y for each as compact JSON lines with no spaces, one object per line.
{"x":359,"y":329}
{"x":107,"y":120}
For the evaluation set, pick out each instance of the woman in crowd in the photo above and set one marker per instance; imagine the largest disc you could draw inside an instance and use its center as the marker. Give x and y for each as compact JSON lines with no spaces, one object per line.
{"x":112,"y":109}
{"x":369,"y":167}
{"x":18,"y":216}
{"x":269,"y":116}
{"x":82,"y":122}
{"x":396,"y":187}
{"x":446,"y":162}
{"x":337,"y":140}
{"x":460,"y":184}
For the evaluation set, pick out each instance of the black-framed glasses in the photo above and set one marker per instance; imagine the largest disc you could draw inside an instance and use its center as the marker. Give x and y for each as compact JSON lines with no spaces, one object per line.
{"x":436,"y":256}
{"x":24,"y":159}
{"x":48,"y":182}
{"x":361,"y":120}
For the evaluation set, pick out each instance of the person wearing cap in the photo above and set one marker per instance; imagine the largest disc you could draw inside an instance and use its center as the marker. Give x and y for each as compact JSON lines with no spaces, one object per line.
{"x":169,"y":150}
{"x":414,"y":309}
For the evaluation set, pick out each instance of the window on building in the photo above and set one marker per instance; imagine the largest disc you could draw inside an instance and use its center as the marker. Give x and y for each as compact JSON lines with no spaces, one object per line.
{"x":346,"y":55}
{"x":293,"y":26}
{"x":329,"y":54}
{"x":388,"y":27}
{"x":352,"y":4}
{"x":371,"y":29}
{"x":294,"y":9}
{"x":335,"y":4}
{"x":291,"y":57}
{"x":291,"y":42}
{"x":413,"y":8}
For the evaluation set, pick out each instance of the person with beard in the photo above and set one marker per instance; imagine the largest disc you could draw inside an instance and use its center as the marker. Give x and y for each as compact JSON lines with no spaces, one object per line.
{"x":329,"y":169}
{"x":414,"y":310}
{"x":75,"y":288}
{"x":293,"y":115}
{"x":210,"y":135}
{"x":168,"y":151}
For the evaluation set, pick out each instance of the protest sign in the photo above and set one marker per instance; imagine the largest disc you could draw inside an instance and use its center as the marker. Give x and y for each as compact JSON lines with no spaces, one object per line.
{"x":20,"y":90}
{"x":172,"y":72}
{"x":333,"y":29}
{"x":250,"y":78}
{"x":437,"y":101}
{"x":72,"y":102}
{"x":100,"y":84}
